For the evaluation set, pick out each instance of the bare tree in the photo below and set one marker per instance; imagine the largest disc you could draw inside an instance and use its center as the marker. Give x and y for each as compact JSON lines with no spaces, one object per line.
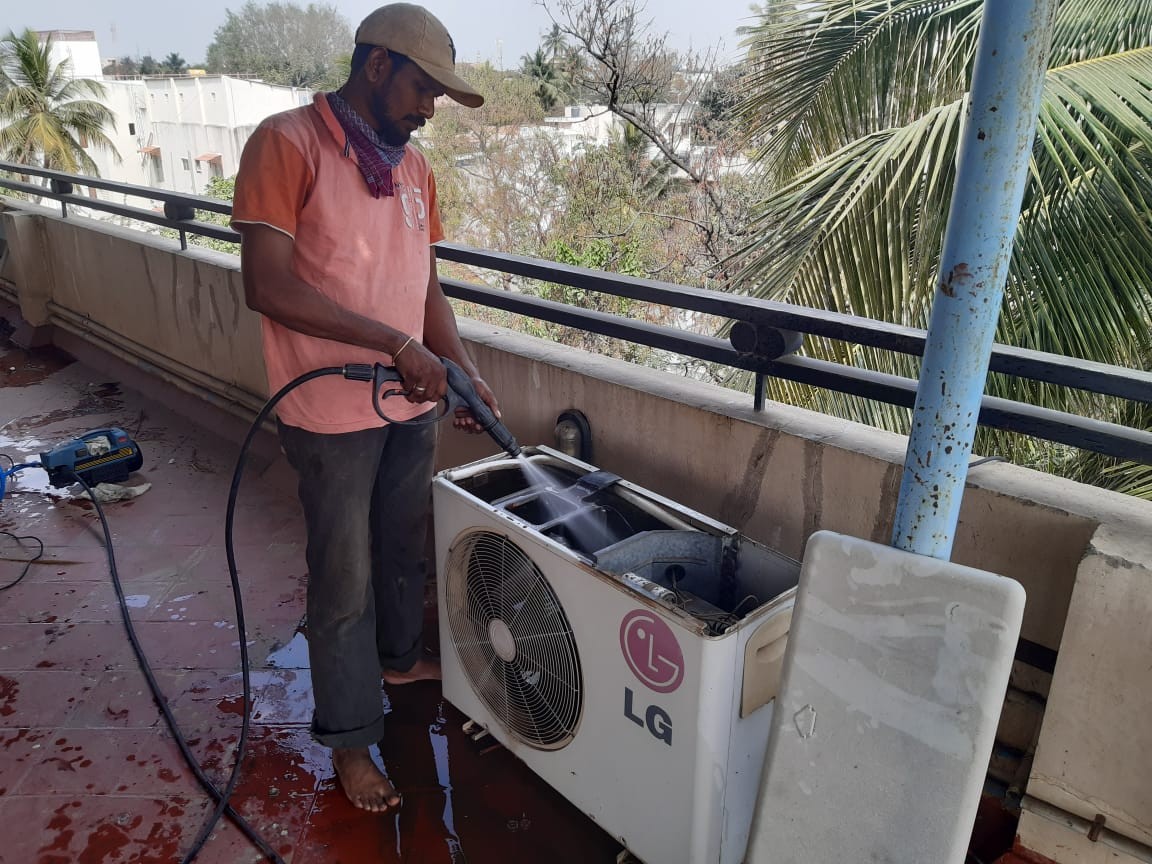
{"x":637,"y":77}
{"x":495,"y":177}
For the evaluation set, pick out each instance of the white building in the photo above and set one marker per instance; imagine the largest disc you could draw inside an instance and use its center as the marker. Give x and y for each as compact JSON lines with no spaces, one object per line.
{"x":172,"y":132}
{"x":582,"y":125}
{"x":177,"y":133}
{"x":595,"y":124}
{"x":77,"y":46}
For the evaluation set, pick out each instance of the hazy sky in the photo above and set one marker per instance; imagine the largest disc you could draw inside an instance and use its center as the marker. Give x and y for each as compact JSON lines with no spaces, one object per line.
{"x":482,"y":29}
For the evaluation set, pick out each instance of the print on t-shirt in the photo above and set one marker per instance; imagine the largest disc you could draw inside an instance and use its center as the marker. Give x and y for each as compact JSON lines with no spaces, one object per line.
{"x":412,"y":200}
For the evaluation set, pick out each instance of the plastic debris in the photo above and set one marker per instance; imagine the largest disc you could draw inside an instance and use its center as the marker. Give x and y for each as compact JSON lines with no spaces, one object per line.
{"x":106,"y":493}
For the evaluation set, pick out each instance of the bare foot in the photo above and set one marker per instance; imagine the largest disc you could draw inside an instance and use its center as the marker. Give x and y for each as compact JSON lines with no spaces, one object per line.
{"x":362,"y":781}
{"x":426,"y":669}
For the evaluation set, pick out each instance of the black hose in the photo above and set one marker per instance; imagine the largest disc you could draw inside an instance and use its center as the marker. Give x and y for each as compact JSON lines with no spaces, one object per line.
{"x":222,"y":805}
{"x":222,"y":798}
{"x":158,"y":695}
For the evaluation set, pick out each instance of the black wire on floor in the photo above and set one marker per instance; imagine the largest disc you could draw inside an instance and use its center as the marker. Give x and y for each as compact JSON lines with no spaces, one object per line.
{"x":28,"y":563}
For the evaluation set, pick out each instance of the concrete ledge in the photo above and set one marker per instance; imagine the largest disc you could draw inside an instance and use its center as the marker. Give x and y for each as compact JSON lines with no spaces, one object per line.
{"x":1101,"y":695}
{"x":1046,"y":835}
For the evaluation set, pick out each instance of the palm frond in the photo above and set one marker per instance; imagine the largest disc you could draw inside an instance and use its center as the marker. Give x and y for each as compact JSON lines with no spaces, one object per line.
{"x":826,"y":76}
{"x":855,"y":222}
{"x":46,"y":115}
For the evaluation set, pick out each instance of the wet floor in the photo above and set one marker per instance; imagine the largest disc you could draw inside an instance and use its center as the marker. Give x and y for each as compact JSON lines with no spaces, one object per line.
{"x":88,"y":771}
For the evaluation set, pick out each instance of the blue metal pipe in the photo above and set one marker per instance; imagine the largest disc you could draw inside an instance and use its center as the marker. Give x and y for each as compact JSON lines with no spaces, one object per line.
{"x":995,"y":146}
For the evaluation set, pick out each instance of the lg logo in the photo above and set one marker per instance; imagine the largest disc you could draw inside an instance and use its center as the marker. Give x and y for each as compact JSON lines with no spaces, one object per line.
{"x":652,"y":653}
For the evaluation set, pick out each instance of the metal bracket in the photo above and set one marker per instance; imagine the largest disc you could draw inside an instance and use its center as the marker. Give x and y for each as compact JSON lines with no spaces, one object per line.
{"x":764,"y":342}
{"x":179,"y":211}
{"x":1096,"y":827}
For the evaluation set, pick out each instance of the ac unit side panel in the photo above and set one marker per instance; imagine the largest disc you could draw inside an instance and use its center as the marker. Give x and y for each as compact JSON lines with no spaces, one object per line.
{"x":894,"y":679}
{"x":749,"y":732}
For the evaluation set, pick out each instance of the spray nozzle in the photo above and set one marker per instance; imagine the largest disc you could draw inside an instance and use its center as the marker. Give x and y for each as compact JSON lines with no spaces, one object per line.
{"x":461,"y":385}
{"x":460,"y":393}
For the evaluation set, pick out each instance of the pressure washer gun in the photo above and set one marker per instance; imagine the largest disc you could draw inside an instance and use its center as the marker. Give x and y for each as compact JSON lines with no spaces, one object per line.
{"x":461,"y":394}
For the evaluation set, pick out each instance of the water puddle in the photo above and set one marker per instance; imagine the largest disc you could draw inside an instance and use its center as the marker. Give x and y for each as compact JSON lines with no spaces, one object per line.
{"x":439,"y":740}
{"x":21,"y":368}
{"x":293,"y":655}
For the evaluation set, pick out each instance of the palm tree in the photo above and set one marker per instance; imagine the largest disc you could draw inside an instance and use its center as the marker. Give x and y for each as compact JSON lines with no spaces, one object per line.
{"x":47,"y":118}
{"x":543,"y":73}
{"x":554,"y":42}
{"x":651,"y":178}
{"x":858,"y":106}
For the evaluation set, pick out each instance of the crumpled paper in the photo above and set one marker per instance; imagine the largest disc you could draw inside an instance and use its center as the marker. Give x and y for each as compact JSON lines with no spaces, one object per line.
{"x":106,"y":493}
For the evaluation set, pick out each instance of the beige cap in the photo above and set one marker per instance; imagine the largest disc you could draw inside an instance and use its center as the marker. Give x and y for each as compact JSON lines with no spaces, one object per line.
{"x":418,"y":34}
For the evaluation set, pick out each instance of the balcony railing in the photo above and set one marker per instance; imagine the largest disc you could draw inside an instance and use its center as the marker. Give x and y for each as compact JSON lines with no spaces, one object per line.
{"x":763,"y":334}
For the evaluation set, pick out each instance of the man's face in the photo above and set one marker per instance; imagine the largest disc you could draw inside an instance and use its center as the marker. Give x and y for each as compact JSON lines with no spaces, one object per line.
{"x":402,"y":100}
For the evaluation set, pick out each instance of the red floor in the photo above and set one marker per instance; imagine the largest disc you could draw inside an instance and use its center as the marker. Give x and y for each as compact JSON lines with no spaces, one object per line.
{"x":89,"y":774}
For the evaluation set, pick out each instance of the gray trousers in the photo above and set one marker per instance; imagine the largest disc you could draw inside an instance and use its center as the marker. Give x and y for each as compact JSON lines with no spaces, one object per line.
{"x":367,"y":504}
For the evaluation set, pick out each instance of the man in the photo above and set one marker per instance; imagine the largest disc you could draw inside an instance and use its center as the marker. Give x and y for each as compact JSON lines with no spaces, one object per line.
{"x":337,"y":217}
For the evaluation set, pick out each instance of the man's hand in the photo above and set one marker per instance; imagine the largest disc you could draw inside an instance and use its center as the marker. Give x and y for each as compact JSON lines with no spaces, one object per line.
{"x":464,"y":421}
{"x":424,"y":375}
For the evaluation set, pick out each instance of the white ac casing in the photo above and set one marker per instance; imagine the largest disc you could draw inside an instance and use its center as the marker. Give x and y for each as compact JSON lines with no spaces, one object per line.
{"x":686,"y":800}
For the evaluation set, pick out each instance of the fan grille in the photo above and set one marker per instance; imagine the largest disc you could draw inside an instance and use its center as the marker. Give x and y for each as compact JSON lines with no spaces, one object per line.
{"x":531,"y":682}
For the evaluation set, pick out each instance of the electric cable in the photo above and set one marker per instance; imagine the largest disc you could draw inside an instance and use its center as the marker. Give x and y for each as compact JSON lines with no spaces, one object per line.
{"x":985,"y":460}
{"x":27,"y":564}
{"x":12,"y":472}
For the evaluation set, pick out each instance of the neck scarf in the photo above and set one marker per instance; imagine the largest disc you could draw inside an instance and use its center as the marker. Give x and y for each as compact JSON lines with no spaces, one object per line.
{"x":376,"y":159}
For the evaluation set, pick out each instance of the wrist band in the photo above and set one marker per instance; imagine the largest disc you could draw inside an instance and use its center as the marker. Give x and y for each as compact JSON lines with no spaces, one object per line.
{"x":401,"y":348}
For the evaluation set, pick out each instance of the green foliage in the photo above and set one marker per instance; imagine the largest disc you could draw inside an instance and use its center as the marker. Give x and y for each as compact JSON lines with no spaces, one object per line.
{"x":717,"y":117}
{"x":283,"y":43}
{"x":338,"y":73}
{"x":47,"y":117}
{"x":174,"y":64}
{"x":223,"y":189}
{"x":124,"y":66}
{"x":596,"y":254}
{"x":149,"y":65}
{"x":542,"y":72}
{"x":858,"y":108}
{"x":487,"y":169}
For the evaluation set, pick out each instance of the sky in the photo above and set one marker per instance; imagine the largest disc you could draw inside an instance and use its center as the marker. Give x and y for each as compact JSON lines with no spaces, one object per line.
{"x":495,"y":30}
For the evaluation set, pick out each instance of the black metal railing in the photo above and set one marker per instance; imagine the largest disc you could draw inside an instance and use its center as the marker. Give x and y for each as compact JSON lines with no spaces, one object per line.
{"x":763,"y":338}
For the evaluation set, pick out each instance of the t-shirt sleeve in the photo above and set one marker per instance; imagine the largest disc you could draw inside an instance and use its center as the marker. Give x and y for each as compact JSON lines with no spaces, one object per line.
{"x":435,"y":228}
{"x":272,"y":183}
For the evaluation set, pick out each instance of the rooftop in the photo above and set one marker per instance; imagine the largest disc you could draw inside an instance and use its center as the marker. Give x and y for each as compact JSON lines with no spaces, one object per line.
{"x":89,"y":771}
{"x":159,"y":329}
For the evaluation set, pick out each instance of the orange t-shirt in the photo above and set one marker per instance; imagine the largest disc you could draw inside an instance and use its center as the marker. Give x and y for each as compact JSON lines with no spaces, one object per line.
{"x":371,"y":255}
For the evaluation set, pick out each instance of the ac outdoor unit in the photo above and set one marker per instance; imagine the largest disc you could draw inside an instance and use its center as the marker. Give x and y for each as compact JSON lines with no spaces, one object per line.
{"x":623,"y":646}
